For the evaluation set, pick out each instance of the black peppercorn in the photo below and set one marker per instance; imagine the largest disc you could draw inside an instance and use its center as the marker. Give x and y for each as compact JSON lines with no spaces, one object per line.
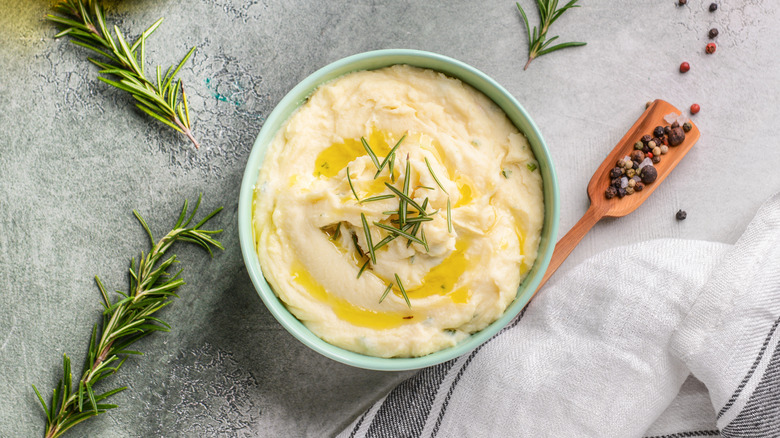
{"x":658,"y":141}
{"x":621,"y":192}
{"x":615,"y":182}
{"x":610,"y":193}
{"x":676,"y":136}
{"x":617,"y":172}
{"x":646,"y":139}
{"x":637,"y":156}
{"x":658,"y":131}
{"x":713,"y":33}
{"x":648,"y":174}
{"x":639,"y":186}
{"x":713,"y":7}
{"x":656,"y":159}
{"x":681,"y":215}
{"x":682,"y":2}
{"x":636,"y":164}
{"x":667,"y":129}
{"x":675,"y":125}
{"x":687,"y":126}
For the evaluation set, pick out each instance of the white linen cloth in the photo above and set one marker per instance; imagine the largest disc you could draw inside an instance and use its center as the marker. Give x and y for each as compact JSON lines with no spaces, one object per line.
{"x":667,"y":338}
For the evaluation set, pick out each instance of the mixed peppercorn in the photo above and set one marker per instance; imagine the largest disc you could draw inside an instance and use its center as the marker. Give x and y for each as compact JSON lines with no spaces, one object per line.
{"x":633,"y":172}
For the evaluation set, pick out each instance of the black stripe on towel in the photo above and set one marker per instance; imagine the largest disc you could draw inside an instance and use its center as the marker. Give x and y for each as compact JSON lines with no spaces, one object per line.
{"x":404,"y":411}
{"x":357,"y":425}
{"x":761,"y":415}
{"x":750,"y":372}
{"x":697,"y":433}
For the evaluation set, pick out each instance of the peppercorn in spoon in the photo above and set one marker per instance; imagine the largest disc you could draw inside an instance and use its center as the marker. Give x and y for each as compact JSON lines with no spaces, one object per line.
{"x":603,"y":203}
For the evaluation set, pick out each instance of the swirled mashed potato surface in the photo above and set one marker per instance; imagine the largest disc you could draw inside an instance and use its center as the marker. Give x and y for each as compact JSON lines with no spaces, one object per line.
{"x":310,"y":235}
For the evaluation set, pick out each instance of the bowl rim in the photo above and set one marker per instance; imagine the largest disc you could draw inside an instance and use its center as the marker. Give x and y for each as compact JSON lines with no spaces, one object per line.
{"x":369,"y":61}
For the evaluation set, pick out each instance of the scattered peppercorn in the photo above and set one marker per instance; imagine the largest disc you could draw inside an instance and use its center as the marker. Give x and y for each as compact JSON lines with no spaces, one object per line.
{"x":677,"y":136}
{"x":631,"y":182}
{"x":637,"y":156}
{"x":629,"y":190}
{"x":658,"y":131}
{"x":681,"y":215}
{"x":649,"y":155}
{"x":713,"y":33}
{"x":617,"y":172}
{"x":646,"y":139}
{"x":664,"y":149}
{"x":675,"y":125}
{"x":682,"y":2}
{"x":638,"y":146}
{"x":639,"y":186}
{"x":630,"y":173}
{"x":713,"y":7}
{"x":667,"y":129}
{"x":687,"y":126}
{"x":710,"y":49}
{"x":656,"y":151}
{"x":648,"y":174}
{"x":695,"y":108}
{"x":621,"y":192}
{"x":656,"y":159}
{"x":615,"y":182}
{"x":610,"y":193}
{"x":684,"y":67}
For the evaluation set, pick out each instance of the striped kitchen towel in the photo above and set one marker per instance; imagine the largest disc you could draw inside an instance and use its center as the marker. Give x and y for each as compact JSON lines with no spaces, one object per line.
{"x":668,"y":338}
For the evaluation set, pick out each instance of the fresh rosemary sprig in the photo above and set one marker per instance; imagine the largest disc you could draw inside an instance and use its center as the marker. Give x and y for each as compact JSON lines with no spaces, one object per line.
{"x":85,"y":22}
{"x":537,"y":40}
{"x":125,"y":321}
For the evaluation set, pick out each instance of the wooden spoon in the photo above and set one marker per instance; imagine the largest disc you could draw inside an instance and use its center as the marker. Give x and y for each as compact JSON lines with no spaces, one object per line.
{"x":600,"y":206}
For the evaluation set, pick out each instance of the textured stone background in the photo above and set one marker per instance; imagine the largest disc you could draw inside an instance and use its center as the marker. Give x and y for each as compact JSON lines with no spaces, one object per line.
{"x":76,"y":158}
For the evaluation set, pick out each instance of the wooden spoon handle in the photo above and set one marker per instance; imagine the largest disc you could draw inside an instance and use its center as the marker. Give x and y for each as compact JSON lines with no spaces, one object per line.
{"x":566,"y":245}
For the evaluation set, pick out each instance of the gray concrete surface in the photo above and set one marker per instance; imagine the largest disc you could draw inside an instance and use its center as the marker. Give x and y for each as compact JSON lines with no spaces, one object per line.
{"x":76,"y":158}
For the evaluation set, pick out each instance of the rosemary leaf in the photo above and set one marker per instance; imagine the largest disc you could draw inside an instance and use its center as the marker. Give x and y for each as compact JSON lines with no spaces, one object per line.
{"x":402,"y":205}
{"x":362,"y":268}
{"x":377,"y":198}
{"x":399,"y":232}
{"x":384,"y":295}
{"x":370,"y":152}
{"x":430,"y":169}
{"x":368,"y":238}
{"x":403,"y":291}
{"x":406,"y":198}
{"x":349,"y":180}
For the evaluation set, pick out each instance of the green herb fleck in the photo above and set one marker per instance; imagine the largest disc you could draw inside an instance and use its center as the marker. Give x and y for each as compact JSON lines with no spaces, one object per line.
{"x":399,"y":232}
{"x":531,"y":166}
{"x":506,"y":173}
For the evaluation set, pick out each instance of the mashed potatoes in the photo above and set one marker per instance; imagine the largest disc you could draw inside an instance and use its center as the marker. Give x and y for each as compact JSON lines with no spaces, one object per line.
{"x":469,"y":225}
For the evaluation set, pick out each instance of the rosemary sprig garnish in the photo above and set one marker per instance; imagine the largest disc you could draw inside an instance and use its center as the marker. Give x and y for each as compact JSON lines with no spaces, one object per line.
{"x":368,"y":238}
{"x":390,"y":156}
{"x":449,"y":216}
{"x":391,"y":237}
{"x":403,"y":291}
{"x":537,"y":40}
{"x":352,"y":187}
{"x":430,"y":169}
{"x":370,"y":152}
{"x":125,"y":321}
{"x":85,"y":22}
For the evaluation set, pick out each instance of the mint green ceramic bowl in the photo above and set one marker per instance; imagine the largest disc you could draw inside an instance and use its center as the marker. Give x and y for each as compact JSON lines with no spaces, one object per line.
{"x":371,"y":61}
